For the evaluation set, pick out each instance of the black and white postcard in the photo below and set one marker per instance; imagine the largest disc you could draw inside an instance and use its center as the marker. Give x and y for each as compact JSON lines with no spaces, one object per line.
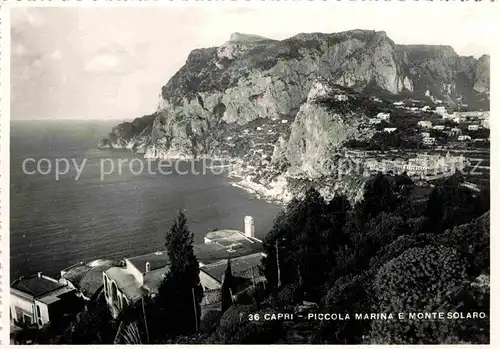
{"x":246,"y":172}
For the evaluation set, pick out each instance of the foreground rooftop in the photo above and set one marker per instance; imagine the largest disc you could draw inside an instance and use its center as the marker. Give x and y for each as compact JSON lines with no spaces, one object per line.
{"x":41,"y":287}
{"x":87,"y":277}
{"x":244,"y":266}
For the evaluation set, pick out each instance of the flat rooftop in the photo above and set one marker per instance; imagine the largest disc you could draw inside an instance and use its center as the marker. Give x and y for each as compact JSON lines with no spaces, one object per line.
{"x":56,"y":295}
{"x":87,"y":277}
{"x":156,"y":260}
{"x":126,"y":282}
{"x":212,"y":252}
{"x":225,"y":237}
{"x":36,"y":285}
{"x":240,"y":266}
{"x":153,"y":279}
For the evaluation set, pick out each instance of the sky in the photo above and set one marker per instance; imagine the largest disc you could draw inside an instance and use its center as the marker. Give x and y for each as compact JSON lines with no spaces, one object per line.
{"x":110,"y":63}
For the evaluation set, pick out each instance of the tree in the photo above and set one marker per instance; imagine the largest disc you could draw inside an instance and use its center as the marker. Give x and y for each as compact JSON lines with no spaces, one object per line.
{"x":301,"y":239}
{"x":226,"y":288}
{"x":181,"y":291}
{"x":382,"y":230}
{"x":91,"y":326}
{"x":452,"y":204}
{"x":378,"y":196}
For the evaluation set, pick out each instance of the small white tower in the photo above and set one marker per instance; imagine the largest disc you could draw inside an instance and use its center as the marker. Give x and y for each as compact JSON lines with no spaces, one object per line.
{"x":249,"y":227}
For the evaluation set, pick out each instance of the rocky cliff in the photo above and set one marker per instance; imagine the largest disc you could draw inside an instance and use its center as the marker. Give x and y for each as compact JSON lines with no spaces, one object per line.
{"x":273,"y":103}
{"x":482,"y":76}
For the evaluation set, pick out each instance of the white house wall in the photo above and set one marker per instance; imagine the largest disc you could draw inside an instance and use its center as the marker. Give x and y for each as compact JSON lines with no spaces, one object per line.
{"x":22,"y":305}
{"x":44,"y":313}
{"x":208,"y":282}
{"x":134,"y":271}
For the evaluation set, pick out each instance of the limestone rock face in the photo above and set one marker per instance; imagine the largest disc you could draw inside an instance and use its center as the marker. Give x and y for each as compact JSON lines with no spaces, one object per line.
{"x":376,"y":62}
{"x":251,"y":80}
{"x":446,"y":75}
{"x":317,"y":136}
{"x":252,"y":77}
{"x":482,"y":75}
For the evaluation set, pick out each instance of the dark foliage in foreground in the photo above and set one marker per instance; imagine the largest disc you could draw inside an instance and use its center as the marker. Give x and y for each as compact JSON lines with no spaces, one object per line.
{"x":180,"y":293}
{"x":91,"y":326}
{"x":386,"y":254}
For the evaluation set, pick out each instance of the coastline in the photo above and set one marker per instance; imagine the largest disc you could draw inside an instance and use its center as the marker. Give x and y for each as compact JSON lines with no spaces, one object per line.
{"x":274,"y":192}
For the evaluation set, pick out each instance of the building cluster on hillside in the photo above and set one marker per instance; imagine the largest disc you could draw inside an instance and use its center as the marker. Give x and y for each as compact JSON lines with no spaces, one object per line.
{"x":39,"y":300}
{"x":468,"y":121}
{"x":422,"y":166}
{"x":379,"y":118}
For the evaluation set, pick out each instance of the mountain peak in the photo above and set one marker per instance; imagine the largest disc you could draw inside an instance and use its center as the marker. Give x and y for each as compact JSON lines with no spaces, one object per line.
{"x":484,"y":59}
{"x":246,"y":37}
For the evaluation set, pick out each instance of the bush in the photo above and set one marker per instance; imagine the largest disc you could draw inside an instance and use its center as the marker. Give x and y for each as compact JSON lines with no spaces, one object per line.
{"x":474,"y":245}
{"x":239,"y":325}
{"x":349,"y":294}
{"x":210,"y":321}
{"x":420,"y":280}
{"x":393,"y":250}
{"x":288,"y":295}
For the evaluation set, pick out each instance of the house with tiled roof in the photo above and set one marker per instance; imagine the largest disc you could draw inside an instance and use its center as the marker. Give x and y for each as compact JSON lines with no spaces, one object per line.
{"x":40,"y":300}
{"x":245,"y":269}
{"x":87,"y":277}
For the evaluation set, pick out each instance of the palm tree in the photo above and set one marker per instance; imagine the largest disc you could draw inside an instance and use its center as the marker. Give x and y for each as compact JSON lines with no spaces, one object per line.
{"x":128,"y":334}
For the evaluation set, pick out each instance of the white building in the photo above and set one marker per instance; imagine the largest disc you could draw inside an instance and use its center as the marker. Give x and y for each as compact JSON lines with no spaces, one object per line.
{"x":374,"y":121}
{"x":480,"y":140}
{"x":424,"y":124}
{"x":421,"y":166}
{"x":473,"y":127}
{"x":384,"y":116}
{"x":425,"y":134}
{"x":464,"y":138}
{"x":429,"y":140}
{"x":390,"y":129}
{"x":398,"y":103}
{"x":341,"y":97}
{"x":439,"y":127}
{"x":441,"y":111}
{"x":137,"y":277}
{"x":40,"y":300}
